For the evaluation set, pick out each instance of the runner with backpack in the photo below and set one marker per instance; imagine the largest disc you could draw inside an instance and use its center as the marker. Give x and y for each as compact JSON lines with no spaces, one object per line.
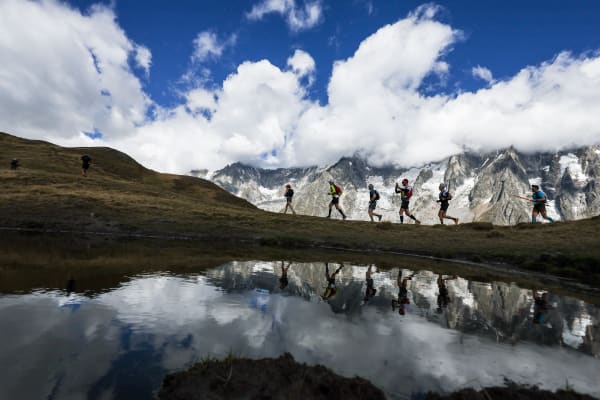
{"x":539,"y":200}
{"x":335,"y":191}
{"x":86,"y":161}
{"x":444,"y":199}
{"x":406,"y":193}
{"x":289,"y":193}
{"x":373,"y":197}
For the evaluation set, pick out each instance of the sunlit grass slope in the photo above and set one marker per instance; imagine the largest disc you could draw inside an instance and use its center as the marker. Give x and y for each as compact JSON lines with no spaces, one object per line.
{"x":121,"y":196}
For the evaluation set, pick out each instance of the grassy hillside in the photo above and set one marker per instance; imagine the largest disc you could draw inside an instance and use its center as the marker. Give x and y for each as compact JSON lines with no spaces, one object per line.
{"x":121,"y":196}
{"x":118,"y":193}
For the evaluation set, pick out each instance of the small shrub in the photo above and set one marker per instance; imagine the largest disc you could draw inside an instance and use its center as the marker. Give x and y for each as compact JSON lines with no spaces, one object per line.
{"x":385,"y":226}
{"x":545,"y":257}
{"x":525,"y":225}
{"x":481,"y":226}
{"x":494,"y":235}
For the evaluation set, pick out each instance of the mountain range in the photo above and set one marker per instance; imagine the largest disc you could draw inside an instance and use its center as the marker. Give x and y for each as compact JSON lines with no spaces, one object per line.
{"x":484,"y":186}
{"x":502,"y":311}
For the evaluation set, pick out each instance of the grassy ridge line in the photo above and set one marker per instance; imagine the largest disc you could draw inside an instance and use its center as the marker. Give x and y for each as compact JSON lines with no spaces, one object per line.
{"x":119,"y":195}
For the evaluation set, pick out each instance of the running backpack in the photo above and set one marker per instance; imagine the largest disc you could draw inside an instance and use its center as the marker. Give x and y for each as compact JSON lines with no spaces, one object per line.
{"x":445,"y":196}
{"x":376,"y":195}
{"x":338,"y":189}
{"x":408,"y":193}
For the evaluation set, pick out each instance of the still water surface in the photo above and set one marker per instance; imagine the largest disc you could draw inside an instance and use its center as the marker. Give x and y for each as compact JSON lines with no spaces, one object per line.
{"x":441,"y":334}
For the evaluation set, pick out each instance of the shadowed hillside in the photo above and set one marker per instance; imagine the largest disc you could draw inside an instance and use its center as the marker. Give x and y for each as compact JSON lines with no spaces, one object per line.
{"x":119,"y":196}
{"x":49,"y":191}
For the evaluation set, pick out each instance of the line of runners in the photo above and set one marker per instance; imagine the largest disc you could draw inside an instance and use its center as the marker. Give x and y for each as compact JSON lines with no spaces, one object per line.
{"x":538,"y":198}
{"x":405,"y":191}
{"x":541,"y":305}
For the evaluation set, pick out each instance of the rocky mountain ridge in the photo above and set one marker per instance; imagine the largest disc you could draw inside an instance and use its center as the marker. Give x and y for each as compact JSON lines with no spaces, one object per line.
{"x":499,"y":310}
{"x":484,"y":186}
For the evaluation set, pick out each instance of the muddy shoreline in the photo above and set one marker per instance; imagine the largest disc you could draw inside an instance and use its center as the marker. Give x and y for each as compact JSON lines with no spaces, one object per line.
{"x":284,"y":378}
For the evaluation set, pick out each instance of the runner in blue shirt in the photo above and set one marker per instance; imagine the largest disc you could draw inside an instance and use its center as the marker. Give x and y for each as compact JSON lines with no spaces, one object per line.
{"x":373,"y":197}
{"x":539,"y":204}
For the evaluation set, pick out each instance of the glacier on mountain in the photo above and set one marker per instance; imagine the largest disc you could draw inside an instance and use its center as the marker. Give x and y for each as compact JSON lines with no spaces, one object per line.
{"x":485,"y":186}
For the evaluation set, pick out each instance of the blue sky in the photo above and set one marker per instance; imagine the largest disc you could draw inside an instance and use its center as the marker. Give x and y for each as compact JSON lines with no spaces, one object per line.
{"x":504,"y":36}
{"x":199,"y":84}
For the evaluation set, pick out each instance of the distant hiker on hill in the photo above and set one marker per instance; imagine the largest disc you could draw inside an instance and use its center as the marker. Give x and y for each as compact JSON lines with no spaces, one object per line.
{"x":539,"y":200}
{"x":283,"y":280}
{"x":86,"y":161}
{"x":370,"y":291}
{"x":373,"y":197}
{"x":444,"y":199}
{"x":14,"y":164}
{"x":335,"y":191}
{"x":289,"y":193}
{"x":330,"y":290}
{"x":402,"y":293}
{"x":406,"y":192}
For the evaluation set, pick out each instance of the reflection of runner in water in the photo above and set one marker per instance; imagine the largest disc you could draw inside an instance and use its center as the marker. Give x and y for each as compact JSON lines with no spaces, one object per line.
{"x":443,"y":297}
{"x":330,"y":290}
{"x":402,"y":293}
{"x":370,"y":292}
{"x":70,"y":288}
{"x":283,"y":281}
{"x":540,"y":307}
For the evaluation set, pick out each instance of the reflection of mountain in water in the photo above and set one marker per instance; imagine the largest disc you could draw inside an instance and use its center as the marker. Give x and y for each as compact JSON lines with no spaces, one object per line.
{"x":119,"y":343}
{"x":499,"y":310}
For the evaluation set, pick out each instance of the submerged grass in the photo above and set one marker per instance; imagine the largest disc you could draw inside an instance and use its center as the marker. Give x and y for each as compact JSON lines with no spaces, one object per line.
{"x":121,"y":197}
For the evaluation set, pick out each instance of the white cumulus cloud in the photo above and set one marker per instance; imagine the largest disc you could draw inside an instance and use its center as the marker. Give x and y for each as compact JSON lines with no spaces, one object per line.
{"x":482,"y":73}
{"x":63,"y":79}
{"x":207,"y":44}
{"x":64,"y":72}
{"x":299,"y":17}
{"x":249,"y":117}
{"x":143,"y":58}
{"x":302,"y":64}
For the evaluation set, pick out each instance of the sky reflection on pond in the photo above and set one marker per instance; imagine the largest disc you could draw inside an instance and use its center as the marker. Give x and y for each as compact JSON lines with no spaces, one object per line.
{"x":121,"y":342}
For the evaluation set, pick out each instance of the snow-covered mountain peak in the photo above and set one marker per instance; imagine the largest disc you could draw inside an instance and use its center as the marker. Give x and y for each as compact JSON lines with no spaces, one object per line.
{"x":485,"y":186}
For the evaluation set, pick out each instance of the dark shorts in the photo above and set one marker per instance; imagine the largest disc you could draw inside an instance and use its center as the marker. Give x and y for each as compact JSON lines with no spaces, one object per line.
{"x":541,"y":208}
{"x":402,"y":292}
{"x":443,"y":300}
{"x":335,"y":200}
{"x":404,"y":205}
{"x":85,"y":166}
{"x":372,"y":205}
{"x":288,"y":200}
{"x":444,"y":206}
{"x":283,"y":282}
